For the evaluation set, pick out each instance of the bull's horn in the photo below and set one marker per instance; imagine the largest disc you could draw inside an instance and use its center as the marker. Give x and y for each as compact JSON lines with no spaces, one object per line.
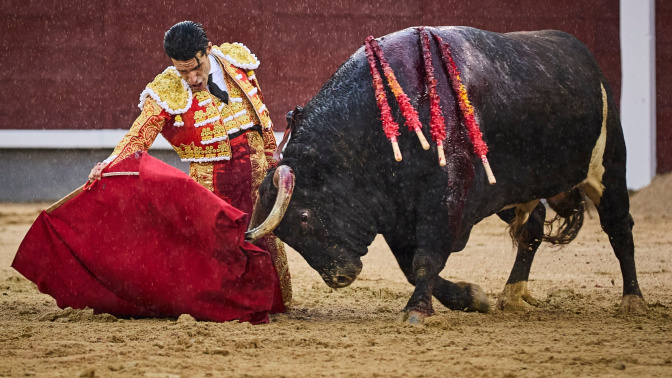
{"x":284,"y":181}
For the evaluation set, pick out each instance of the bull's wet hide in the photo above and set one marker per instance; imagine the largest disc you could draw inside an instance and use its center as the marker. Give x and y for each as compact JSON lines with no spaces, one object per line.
{"x":551,"y":125}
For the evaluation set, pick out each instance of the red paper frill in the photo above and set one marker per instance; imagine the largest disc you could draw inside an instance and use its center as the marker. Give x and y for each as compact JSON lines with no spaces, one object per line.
{"x":390,"y":126}
{"x":407,"y":109}
{"x":437,"y":122}
{"x":480,"y":147}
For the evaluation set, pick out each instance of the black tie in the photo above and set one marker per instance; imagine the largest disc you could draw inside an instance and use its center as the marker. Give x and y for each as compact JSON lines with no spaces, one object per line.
{"x":214,"y":89}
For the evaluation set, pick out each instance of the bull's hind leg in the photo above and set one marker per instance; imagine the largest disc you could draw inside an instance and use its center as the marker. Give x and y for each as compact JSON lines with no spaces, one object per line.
{"x":606,"y":187}
{"x":614,"y":210}
{"x":529,"y":237}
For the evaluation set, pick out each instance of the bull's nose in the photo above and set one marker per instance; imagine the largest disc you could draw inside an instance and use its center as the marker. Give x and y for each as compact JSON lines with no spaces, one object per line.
{"x":341,"y":281}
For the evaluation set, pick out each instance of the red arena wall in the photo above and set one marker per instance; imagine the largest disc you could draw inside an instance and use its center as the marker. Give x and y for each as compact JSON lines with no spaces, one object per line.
{"x":82,"y":65}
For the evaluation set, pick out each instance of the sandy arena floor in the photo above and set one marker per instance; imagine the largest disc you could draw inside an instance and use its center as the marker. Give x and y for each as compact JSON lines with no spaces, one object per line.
{"x":352,"y":331}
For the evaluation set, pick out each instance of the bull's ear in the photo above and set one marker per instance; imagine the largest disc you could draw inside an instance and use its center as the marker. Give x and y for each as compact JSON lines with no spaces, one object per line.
{"x":292,"y":116}
{"x":290,"y":119}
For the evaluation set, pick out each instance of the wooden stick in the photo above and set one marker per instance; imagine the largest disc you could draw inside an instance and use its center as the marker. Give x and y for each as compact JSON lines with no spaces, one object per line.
{"x":488,"y":170}
{"x":423,"y":141}
{"x":65,"y":199}
{"x":442,"y":155}
{"x":75,"y":192}
{"x":397,"y":151}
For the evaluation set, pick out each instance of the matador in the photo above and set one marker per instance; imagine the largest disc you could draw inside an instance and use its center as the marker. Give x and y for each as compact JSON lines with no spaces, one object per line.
{"x":210,"y":108}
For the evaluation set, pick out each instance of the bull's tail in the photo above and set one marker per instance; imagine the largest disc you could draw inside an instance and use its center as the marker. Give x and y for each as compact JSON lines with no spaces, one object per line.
{"x":569,"y":208}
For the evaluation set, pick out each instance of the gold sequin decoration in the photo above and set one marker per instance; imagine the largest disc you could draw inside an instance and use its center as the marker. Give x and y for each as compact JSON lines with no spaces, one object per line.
{"x":218,"y":130}
{"x":238,"y":53}
{"x":211,"y":111}
{"x":231,"y":123}
{"x":168,"y":86}
{"x":244,"y":88}
{"x":224,"y":149}
{"x":275,"y":246}
{"x":207,"y":134}
{"x":217,"y":151}
{"x":236,"y":90}
{"x":277,"y":250}
{"x":202,"y":173}
{"x":143,"y":132}
{"x":269,"y":147}
{"x":258,"y":162}
{"x":202,"y":96}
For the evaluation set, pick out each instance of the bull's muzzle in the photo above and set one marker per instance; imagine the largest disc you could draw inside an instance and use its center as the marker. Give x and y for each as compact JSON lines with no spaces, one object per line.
{"x":283,"y":179}
{"x":343,"y":275}
{"x":340,"y":281}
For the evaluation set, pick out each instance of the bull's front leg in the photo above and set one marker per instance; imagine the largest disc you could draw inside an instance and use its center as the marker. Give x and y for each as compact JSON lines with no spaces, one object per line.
{"x":426,"y":268}
{"x":460,"y":296}
{"x":422,"y":266}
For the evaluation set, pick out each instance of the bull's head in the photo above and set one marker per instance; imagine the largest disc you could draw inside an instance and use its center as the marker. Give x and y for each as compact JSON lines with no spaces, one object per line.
{"x":328,"y":220}
{"x":323,"y":228}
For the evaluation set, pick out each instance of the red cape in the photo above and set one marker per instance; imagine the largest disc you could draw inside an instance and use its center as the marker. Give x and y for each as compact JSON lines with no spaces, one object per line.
{"x":158,"y":244}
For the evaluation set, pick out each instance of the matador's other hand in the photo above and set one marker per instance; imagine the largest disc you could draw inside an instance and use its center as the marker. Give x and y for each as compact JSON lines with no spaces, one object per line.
{"x":97,"y":171}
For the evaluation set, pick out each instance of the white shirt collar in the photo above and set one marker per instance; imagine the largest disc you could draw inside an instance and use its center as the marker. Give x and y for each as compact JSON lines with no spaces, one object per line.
{"x":217,"y":74}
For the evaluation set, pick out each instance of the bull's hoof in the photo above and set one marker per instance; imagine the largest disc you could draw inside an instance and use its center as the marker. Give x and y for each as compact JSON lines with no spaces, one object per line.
{"x":480,"y":301}
{"x":632,"y":305}
{"x":515,"y":297}
{"x":411,"y":317}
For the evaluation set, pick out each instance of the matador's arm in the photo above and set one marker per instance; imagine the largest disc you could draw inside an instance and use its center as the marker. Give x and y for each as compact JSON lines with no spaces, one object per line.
{"x":142,"y":134}
{"x":269,"y":147}
{"x":269,"y":138}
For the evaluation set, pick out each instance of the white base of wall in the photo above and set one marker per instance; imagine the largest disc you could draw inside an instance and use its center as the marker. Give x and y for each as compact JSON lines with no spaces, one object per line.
{"x":74,"y":139}
{"x":30,"y":175}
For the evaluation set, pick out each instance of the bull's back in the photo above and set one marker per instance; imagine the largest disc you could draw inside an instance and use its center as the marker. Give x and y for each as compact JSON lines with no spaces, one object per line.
{"x":536,"y":94}
{"x":539,"y":102}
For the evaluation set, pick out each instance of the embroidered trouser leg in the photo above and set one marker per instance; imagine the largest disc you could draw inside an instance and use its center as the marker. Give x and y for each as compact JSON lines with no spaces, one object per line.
{"x":237,"y":181}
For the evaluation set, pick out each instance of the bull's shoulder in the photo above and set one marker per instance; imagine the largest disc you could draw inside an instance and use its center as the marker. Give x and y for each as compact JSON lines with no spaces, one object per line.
{"x":237,"y":54}
{"x":169,"y":90}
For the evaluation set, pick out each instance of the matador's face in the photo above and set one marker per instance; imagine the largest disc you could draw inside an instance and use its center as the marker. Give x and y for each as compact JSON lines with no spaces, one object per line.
{"x":195,"y":71}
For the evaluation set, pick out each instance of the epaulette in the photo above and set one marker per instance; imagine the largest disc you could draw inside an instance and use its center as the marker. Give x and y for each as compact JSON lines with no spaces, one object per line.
{"x":237,"y":54}
{"x":170,"y":91}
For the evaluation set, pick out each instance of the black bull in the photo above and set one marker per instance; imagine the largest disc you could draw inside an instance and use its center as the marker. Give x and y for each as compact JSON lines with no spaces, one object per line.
{"x":553,"y":131}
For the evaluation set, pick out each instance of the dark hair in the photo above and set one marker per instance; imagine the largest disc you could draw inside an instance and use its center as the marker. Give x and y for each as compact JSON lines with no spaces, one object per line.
{"x":184,"y":40}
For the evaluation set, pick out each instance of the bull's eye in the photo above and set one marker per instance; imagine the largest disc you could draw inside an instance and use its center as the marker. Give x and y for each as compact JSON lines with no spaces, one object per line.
{"x":303,"y":217}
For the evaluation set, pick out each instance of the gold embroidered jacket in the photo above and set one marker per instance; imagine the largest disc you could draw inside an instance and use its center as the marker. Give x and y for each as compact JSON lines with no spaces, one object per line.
{"x":198,"y":125}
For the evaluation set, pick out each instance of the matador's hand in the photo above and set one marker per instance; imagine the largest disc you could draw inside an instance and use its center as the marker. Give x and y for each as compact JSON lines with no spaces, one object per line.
{"x":277,"y":156}
{"x":96,"y":172}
